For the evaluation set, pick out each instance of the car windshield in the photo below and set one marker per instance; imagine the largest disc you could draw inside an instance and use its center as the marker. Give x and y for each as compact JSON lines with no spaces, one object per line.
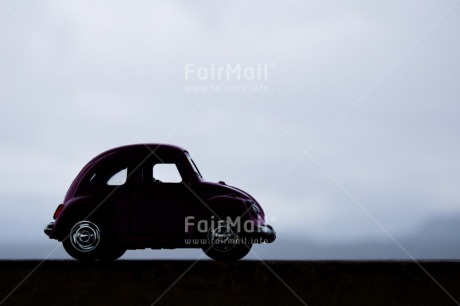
{"x":195,"y":168}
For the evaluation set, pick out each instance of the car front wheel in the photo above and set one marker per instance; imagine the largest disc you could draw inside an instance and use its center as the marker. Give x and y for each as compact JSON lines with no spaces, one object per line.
{"x":224,"y":243}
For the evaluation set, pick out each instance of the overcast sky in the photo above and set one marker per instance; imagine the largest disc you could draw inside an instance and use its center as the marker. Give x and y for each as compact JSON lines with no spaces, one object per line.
{"x":340,"y":117}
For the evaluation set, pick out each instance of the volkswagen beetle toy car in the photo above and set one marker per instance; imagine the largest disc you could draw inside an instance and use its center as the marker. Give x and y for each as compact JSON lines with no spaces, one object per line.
{"x":153,"y":196}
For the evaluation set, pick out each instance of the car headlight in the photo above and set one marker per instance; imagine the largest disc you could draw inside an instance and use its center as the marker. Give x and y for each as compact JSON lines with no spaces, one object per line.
{"x":255,"y":209}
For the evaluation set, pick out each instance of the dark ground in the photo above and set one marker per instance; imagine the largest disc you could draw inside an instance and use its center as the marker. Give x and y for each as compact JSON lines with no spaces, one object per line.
{"x":240,"y":283}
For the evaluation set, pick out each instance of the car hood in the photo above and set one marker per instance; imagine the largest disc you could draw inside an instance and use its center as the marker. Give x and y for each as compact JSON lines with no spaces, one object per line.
{"x":211,"y":189}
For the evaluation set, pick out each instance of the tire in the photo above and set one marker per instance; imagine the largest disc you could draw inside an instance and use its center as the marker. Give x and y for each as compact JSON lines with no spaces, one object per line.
{"x":224,"y":243}
{"x":88,"y":241}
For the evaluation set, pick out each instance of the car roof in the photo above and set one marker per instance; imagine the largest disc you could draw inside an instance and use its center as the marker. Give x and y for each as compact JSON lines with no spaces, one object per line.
{"x":142,"y":147}
{"x":138,"y":148}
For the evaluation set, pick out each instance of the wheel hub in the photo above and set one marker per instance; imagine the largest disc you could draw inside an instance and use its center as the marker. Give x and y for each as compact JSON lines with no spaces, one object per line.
{"x":85,"y":236}
{"x":222,"y":238}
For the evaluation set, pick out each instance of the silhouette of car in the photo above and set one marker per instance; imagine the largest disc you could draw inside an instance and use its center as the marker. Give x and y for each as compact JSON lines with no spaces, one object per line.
{"x":153,"y":196}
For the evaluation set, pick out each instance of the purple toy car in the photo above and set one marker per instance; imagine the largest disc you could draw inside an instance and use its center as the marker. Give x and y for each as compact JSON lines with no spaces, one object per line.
{"x":153,"y":196}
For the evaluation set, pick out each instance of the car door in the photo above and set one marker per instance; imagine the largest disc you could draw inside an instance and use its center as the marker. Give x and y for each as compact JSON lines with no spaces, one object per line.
{"x":161,"y":203}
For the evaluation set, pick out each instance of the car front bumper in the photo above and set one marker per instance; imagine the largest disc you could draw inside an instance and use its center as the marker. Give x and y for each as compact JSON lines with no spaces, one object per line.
{"x":48,"y":228}
{"x":263,"y":233}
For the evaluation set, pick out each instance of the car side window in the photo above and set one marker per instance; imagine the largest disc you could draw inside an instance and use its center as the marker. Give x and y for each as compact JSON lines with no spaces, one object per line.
{"x":166,"y":173}
{"x":118,"y":178}
{"x":110,"y":174}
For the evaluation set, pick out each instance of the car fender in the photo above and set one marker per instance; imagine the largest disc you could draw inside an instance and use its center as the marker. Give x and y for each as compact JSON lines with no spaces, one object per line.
{"x":226,"y":206}
{"x":76,"y":209}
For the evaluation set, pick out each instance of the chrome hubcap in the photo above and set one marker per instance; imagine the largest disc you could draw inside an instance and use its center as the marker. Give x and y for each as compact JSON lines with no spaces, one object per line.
{"x":85,"y":236}
{"x":222,"y":237}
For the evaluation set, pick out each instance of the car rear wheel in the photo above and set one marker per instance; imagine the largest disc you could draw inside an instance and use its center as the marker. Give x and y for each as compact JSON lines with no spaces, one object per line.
{"x":89,"y":241}
{"x":224,"y":243}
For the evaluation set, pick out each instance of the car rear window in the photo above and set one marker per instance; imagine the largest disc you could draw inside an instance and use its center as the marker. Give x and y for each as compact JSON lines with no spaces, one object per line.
{"x":110,"y":174}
